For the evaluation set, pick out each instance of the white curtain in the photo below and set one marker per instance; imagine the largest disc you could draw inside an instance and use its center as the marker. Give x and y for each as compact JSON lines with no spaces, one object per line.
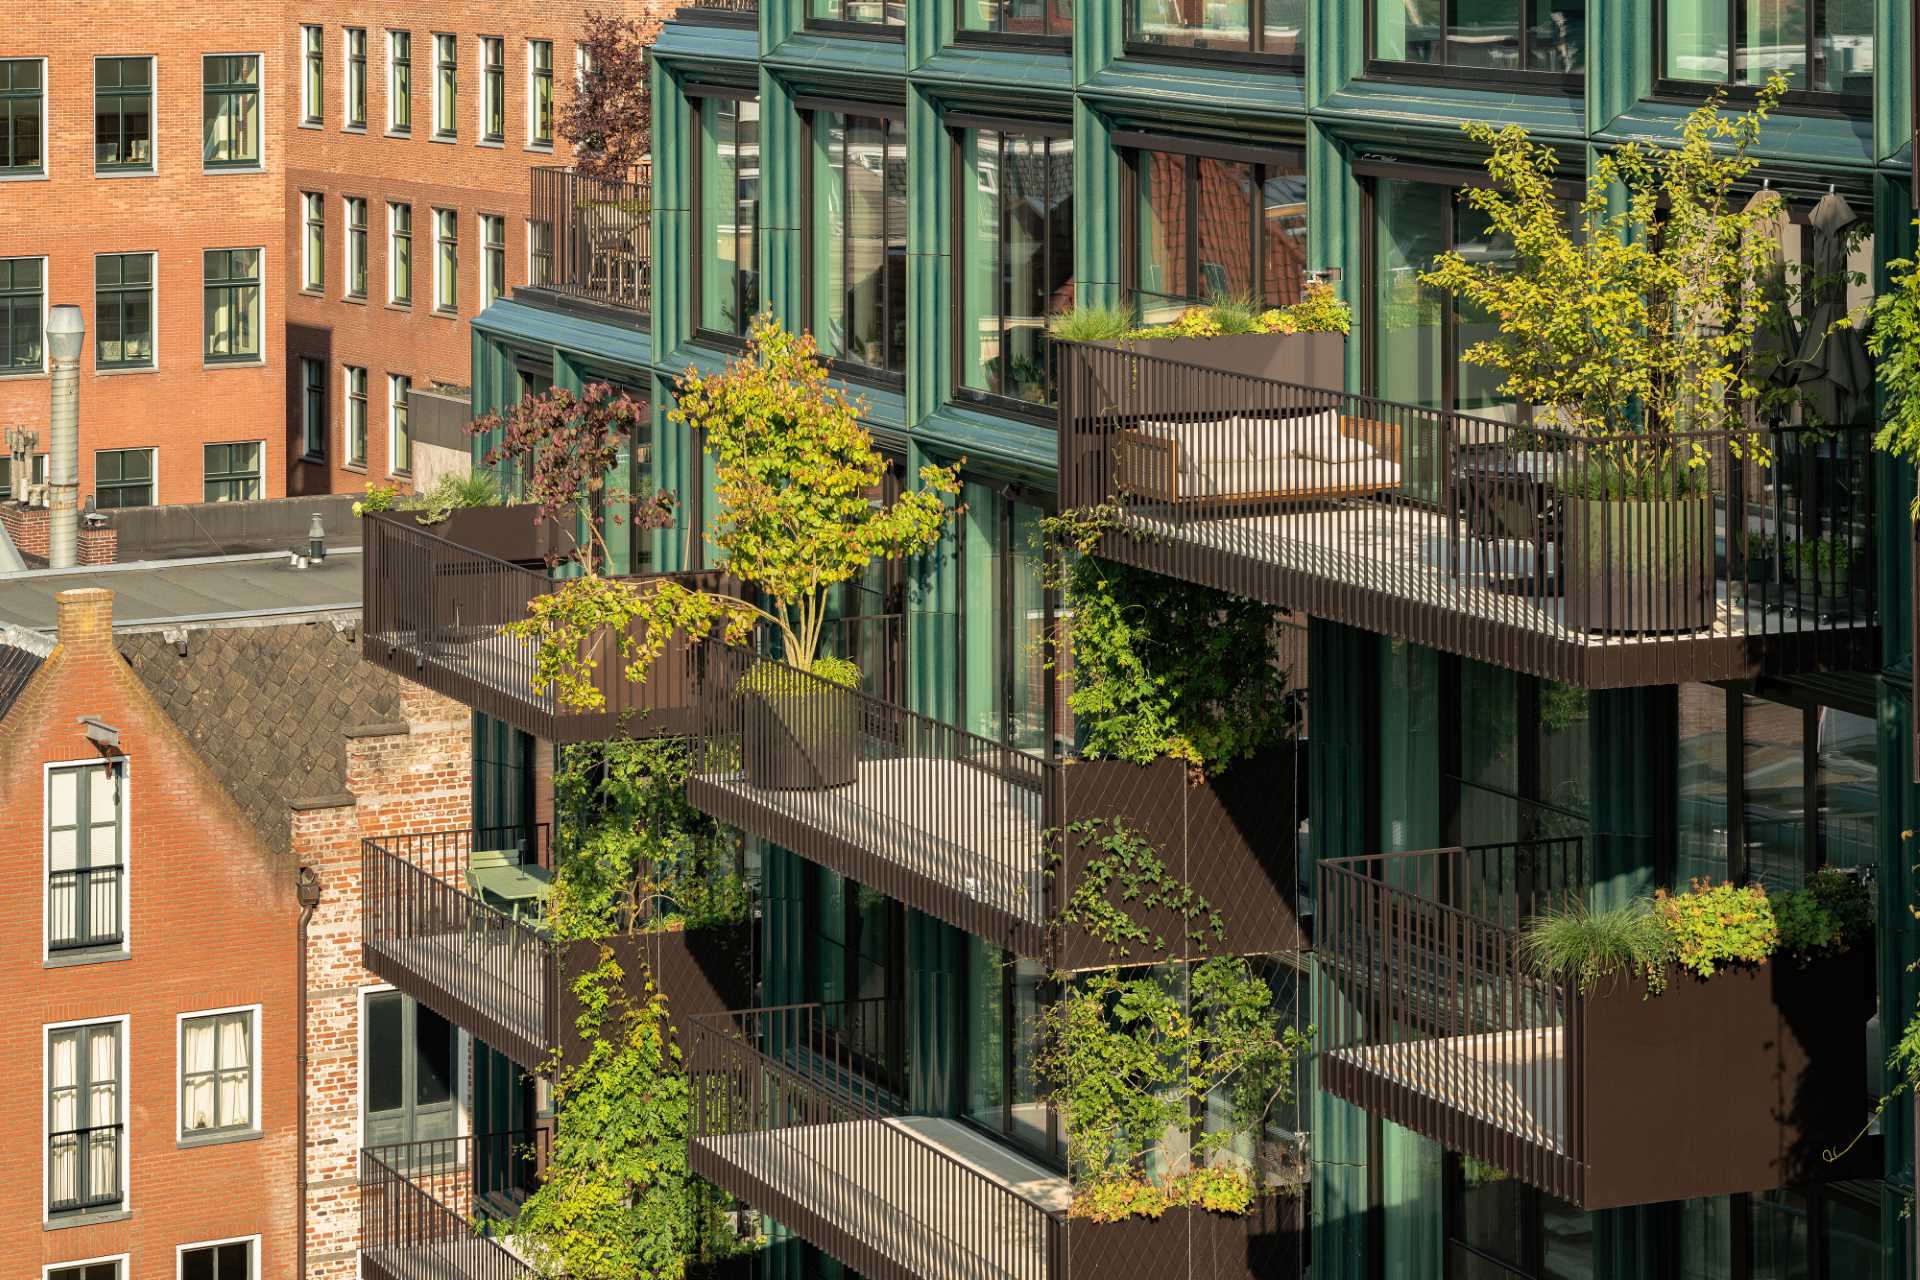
{"x":63,"y":1115}
{"x":197,"y":1100}
{"x":236,"y":1071}
{"x":103,"y":1108}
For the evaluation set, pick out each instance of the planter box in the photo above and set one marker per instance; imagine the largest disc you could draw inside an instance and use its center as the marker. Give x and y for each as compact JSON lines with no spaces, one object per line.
{"x":1639,"y":567}
{"x":1736,"y":1082}
{"x":1231,"y":837}
{"x":1305,"y":359}
{"x":804,"y":740}
{"x":515,"y":533}
{"x":1192,"y":1244}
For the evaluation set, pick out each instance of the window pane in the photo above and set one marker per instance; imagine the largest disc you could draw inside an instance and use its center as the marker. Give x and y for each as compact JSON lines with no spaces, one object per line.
{"x":1225,"y":220}
{"x":385,"y":1088}
{"x":1186,"y":25}
{"x":1491,"y":1210}
{"x":433,"y":1058}
{"x":1411,"y":233}
{"x":1779,"y":1236}
{"x":1557,"y":36}
{"x":1162,"y":251}
{"x":1775,"y":817}
{"x":1702,"y":841}
{"x":1283,"y":236}
{"x":1484,"y":33}
{"x":1846,"y":789}
{"x":730,"y":211}
{"x":1408,"y":30}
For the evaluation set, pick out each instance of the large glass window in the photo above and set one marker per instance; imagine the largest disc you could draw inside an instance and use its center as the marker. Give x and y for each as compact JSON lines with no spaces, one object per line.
{"x":446,"y":86}
{"x":1826,"y":1231}
{"x":1003,"y":1092}
{"x":1008,"y":690}
{"x":232,"y":310}
{"x":23,"y":119}
{"x":410,"y":1058}
{"x":23,"y":313}
{"x":1276,"y":27}
{"x":313,"y":74}
{"x":216,"y":1073}
{"x":86,"y":1154}
{"x":1823,"y":49}
{"x":1481,"y":36}
{"x":85,"y":842}
{"x":356,"y":85}
{"x":858,"y":233}
{"x":1500,"y":1229}
{"x":123,"y":310}
{"x":122,"y":114}
{"x":399,"y":81}
{"x":1027,"y":18}
{"x":1016,"y":259}
{"x":230,"y":110}
{"x":857,"y":966}
{"x":231,"y":472}
{"x":540,"y":93}
{"x":1207,"y":228}
{"x":539,"y":251}
{"x":729,"y":214}
{"x":123,"y":478}
{"x":867,"y":13}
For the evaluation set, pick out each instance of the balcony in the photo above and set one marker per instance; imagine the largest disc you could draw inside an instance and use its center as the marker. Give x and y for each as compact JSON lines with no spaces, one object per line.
{"x":1473,"y":535}
{"x":425,"y":929}
{"x":787,"y":1116}
{"x":602,"y":248}
{"x":1429,"y":1017}
{"x":970,"y":830}
{"x":721,"y":11}
{"x":442,"y":1209}
{"x":436,"y":597}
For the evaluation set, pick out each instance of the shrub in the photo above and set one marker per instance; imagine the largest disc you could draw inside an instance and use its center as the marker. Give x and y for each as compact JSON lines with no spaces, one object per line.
{"x":778,"y":679}
{"x":1715,"y":925}
{"x":1588,"y":946}
{"x":1319,"y":310}
{"x":1825,"y":918}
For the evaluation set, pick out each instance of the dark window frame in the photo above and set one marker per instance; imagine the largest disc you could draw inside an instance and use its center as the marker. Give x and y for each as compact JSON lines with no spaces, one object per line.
{"x":885,"y":1069}
{"x":1263,"y":163}
{"x":354,"y":214}
{"x":218,"y":1250}
{"x":1803,"y":101}
{"x":696,"y":172}
{"x":228,"y":478}
{"x":355,"y":108}
{"x":313,"y":409}
{"x":1005,"y":638}
{"x":118,"y":96}
{"x":354,"y":377}
{"x":399,"y":424}
{"x":958,"y":125}
{"x":1049,"y":38}
{"x":1055,"y":1157}
{"x":12,"y":295}
{"x":103,"y":486}
{"x":446,"y":261}
{"x":539,"y":100}
{"x":112,"y":298}
{"x":313,"y":75}
{"x":399,"y":251}
{"x":236,"y":99}
{"x":493,"y":258}
{"x":1569,"y":83}
{"x":446,"y":86}
{"x":399,"y":81}
{"x":37,"y":95}
{"x":493,"y":89}
{"x":1252,"y":54}
{"x":86,"y":937}
{"x":810,"y":279}
{"x":234,"y":285}
{"x":85,"y":1136}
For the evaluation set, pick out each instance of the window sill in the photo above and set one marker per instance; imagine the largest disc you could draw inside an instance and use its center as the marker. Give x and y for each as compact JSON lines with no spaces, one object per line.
{"x":313,"y":459}
{"x":242,"y":170}
{"x":92,"y":1218}
{"x":445,"y":313}
{"x":220,"y":1139}
{"x":313,"y":291}
{"x":492,"y":144}
{"x":23,"y":375}
{"x":126,"y":173}
{"x":448,"y":138}
{"x":543,"y":148}
{"x":132,"y":370}
{"x":313,"y":124}
{"x":251,"y":362}
{"x":406,"y":308}
{"x":353,"y":128}
{"x":354,"y":299}
{"x":25,"y":177}
{"x":358,"y":468}
{"x":402,"y":134}
{"x":75,"y":959}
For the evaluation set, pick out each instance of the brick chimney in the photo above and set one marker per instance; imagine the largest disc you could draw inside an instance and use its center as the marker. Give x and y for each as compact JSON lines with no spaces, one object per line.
{"x":86,"y":619}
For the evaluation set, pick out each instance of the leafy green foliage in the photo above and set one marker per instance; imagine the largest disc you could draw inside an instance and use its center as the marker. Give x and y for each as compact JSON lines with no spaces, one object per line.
{"x":1319,"y":310}
{"x":1893,"y":339}
{"x":1160,"y":666}
{"x":452,"y":492}
{"x":1093,"y":324}
{"x":1129,"y":865}
{"x":1829,"y":916}
{"x":1820,"y":562}
{"x":778,"y":678}
{"x":1588,"y":947}
{"x":1716,"y":925}
{"x":615,"y":1196}
{"x":1643,"y":308}
{"x":631,"y":853}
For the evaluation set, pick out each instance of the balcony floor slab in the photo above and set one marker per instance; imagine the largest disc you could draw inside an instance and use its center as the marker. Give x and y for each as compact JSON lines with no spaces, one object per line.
{"x":455,"y":965}
{"x":1483,"y":1076}
{"x":474,"y":1258}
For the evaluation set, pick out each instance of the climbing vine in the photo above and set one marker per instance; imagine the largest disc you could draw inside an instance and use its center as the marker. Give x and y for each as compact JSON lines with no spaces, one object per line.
{"x":1162,"y":667}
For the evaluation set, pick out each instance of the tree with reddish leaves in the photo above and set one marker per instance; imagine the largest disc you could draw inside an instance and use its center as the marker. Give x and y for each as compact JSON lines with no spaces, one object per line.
{"x":608,"y":118}
{"x":564,"y":447}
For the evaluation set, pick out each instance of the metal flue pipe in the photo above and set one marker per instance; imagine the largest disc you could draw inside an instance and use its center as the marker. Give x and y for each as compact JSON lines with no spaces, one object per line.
{"x":66,"y":334}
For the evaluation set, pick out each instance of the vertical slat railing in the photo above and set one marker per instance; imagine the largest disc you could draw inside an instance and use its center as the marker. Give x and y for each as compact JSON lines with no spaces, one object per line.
{"x":602,"y":241}
{"x":436,"y":1208}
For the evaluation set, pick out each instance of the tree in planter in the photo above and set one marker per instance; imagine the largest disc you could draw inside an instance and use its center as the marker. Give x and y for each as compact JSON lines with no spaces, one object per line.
{"x":607,"y":119}
{"x":1160,"y":666}
{"x":794,"y":474}
{"x":1631,"y":328}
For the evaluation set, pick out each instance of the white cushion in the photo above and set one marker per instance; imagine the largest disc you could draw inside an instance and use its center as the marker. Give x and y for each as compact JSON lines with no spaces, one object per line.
{"x":1335,"y":449}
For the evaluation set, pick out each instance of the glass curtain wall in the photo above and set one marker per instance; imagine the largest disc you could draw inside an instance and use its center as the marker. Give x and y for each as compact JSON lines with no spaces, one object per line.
{"x":1206,"y":228}
{"x":858,"y":217}
{"x":1542,"y":36}
{"x":1016,"y":259}
{"x":729,"y":214}
{"x":1823,"y":49}
{"x":1008,"y":693}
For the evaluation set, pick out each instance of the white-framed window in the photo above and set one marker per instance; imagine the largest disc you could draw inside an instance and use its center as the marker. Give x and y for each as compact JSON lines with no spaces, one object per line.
{"x":400,"y":254}
{"x":112,"y":1267}
{"x":353,"y":114}
{"x":493,"y":258}
{"x":23,"y":117}
{"x":540,"y":94}
{"x":355,"y":422}
{"x":86,"y":856}
{"x":313,"y":247}
{"x":446,"y":260}
{"x":399,"y":429}
{"x":355,"y":262}
{"x":446,"y":85}
{"x":236,"y":1259}
{"x":399,"y":82}
{"x":219,"y":1057}
{"x":313,"y":74}
{"x":86,"y":1151}
{"x":493,"y":89}
{"x":313,"y":407}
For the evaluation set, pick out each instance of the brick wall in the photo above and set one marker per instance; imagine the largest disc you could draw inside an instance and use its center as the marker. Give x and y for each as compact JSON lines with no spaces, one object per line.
{"x":411,"y":776}
{"x":212,"y":924}
{"x":30,"y":529}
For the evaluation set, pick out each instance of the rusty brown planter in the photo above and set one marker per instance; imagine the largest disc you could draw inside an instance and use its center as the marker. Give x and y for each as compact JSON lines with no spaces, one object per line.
{"x":1186,"y":1243}
{"x":800,"y":741}
{"x":516,"y":533}
{"x":1231,"y":836}
{"x":1316,"y":360}
{"x":1638,"y":567}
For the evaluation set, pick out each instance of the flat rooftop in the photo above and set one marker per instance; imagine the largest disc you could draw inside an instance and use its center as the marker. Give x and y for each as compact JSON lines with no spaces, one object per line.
{"x":157,"y":592}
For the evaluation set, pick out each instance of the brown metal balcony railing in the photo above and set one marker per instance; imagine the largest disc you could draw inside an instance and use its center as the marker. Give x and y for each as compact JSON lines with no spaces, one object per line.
{"x":744,"y":10}
{"x":1430,"y":1015}
{"x":440,"y":1209}
{"x":474,"y":964}
{"x":786,"y":1117}
{"x":944,"y":820}
{"x":1477,"y":536}
{"x":601,"y":245}
{"x":433,"y":610}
